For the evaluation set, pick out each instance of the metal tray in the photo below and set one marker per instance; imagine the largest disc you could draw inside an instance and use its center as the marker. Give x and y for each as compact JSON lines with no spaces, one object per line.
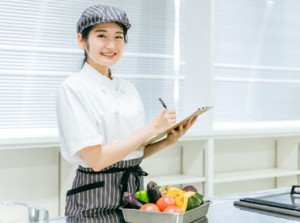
{"x":138,"y":216}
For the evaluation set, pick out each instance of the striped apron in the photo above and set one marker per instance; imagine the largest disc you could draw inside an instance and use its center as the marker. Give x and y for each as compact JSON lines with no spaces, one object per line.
{"x":97,"y":194}
{"x":114,"y":217}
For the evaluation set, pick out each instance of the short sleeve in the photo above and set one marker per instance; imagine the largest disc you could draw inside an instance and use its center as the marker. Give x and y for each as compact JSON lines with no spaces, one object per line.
{"x":77,"y":125}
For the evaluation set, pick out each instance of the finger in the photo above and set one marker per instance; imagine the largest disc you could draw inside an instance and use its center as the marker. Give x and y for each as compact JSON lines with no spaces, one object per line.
{"x":171,"y":121}
{"x":185,"y":129}
{"x":181,"y":128}
{"x":171,"y":114}
{"x":186,"y":123}
{"x":192,"y":121}
{"x":189,"y":124}
{"x":169,"y":117}
{"x":173,"y":132}
{"x":188,"y":127}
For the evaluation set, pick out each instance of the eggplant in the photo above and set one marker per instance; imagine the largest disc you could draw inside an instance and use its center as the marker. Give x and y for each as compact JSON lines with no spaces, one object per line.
{"x":153,"y":192}
{"x":130,"y":201}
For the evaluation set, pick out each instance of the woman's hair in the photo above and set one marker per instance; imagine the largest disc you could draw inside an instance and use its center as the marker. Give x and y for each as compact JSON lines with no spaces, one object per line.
{"x":85,"y":35}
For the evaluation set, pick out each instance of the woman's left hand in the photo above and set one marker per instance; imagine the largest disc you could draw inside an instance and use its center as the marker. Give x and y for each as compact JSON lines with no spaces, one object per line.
{"x":174,"y":135}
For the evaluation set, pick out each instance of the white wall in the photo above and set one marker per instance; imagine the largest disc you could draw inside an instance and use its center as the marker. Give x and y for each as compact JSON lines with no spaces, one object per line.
{"x":31,"y":176}
{"x":199,"y":48}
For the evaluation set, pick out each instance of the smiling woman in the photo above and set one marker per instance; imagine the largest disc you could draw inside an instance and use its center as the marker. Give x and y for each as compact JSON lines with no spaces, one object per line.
{"x":38,"y":50}
{"x":36,"y":58}
{"x":101,"y":120}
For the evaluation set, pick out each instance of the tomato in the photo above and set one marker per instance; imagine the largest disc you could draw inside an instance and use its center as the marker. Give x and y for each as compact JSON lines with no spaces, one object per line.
{"x":149,"y":207}
{"x":173,"y":209}
{"x":165,"y":201}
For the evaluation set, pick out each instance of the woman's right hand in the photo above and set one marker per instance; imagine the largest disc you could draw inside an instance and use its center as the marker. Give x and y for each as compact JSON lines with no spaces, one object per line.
{"x":163,"y":120}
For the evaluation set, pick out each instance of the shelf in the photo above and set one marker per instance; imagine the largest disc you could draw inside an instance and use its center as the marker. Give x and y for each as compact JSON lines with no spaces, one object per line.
{"x":174,"y":179}
{"x":254,"y":174}
{"x":240,"y":133}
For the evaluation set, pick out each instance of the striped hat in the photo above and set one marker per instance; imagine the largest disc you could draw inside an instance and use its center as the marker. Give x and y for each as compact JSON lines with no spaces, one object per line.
{"x":100,"y":14}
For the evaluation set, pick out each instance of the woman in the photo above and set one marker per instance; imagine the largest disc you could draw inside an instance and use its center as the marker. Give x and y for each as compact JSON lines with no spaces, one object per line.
{"x":101,"y":119}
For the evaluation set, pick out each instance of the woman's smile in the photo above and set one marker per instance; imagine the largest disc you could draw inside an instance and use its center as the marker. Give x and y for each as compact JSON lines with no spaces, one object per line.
{"x":109,"y":54}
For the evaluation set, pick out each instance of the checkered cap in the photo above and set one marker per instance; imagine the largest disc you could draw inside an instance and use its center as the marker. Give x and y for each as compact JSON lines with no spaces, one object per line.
{"x":100,"y":14}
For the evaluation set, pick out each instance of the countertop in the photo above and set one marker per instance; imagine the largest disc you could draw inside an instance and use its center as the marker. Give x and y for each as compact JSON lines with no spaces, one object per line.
{"x":221,"y":210}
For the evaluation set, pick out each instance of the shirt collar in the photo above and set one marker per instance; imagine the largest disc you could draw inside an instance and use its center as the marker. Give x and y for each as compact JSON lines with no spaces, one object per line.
{"x":92,"y":72}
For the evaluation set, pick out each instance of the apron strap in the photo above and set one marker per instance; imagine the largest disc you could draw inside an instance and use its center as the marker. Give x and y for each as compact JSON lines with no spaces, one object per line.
{"x":137,"y":172}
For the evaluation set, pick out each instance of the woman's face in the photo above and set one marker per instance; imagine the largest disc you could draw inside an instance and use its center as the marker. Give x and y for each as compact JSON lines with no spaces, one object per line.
{"x":105,"y":44}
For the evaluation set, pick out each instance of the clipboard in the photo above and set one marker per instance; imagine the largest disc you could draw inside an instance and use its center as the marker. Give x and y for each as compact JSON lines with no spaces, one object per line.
{"x":279,"y":203}
{"x":198,"y":112}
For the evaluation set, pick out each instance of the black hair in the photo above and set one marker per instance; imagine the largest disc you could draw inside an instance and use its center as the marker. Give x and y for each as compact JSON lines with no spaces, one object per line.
{"x":85,"y":34}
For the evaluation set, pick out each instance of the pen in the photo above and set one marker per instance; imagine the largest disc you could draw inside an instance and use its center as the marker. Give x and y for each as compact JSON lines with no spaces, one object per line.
{"x":163,"y":103}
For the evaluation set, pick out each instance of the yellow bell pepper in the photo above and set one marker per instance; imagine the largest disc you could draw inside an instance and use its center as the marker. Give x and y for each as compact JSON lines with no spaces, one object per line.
{"x":185,"y":200}
{"x":178,"y":196}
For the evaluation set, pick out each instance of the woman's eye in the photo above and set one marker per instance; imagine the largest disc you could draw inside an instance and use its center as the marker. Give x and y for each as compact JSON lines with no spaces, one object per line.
{"x":119,"y":37}
{"x":101,"y":36}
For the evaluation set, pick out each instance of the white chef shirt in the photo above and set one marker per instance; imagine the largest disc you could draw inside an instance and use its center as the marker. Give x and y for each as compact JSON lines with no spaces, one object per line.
{"x":95,"y":110}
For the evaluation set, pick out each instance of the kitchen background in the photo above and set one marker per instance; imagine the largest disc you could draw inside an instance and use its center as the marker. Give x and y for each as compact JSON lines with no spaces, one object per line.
{"x":240,"y":56}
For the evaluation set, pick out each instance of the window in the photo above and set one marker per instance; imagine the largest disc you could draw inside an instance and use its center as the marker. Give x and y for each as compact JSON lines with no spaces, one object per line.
{"x":38,"y":50}
{"x":257,"y":63}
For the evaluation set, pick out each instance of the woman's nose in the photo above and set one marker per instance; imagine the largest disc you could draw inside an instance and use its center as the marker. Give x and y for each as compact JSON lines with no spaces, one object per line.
{"x":110,"y":44}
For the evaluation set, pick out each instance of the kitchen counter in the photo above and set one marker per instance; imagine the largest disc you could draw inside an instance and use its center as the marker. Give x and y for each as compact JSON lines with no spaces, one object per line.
{"x":221,"y":210}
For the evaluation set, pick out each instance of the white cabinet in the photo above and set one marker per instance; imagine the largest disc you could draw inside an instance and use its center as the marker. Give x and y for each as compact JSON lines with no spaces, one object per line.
{"x":228,"y":163}
{"x":179,"y":164}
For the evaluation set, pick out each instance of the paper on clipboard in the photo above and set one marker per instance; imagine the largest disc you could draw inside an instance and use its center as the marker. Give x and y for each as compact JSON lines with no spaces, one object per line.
{"x":198,"y":112}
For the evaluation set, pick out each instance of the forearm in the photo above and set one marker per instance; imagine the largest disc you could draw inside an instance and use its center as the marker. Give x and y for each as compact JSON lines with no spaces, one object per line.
{"x":154,"y":148}
{"x":101,"y":156}
{"x":172,"y":138}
